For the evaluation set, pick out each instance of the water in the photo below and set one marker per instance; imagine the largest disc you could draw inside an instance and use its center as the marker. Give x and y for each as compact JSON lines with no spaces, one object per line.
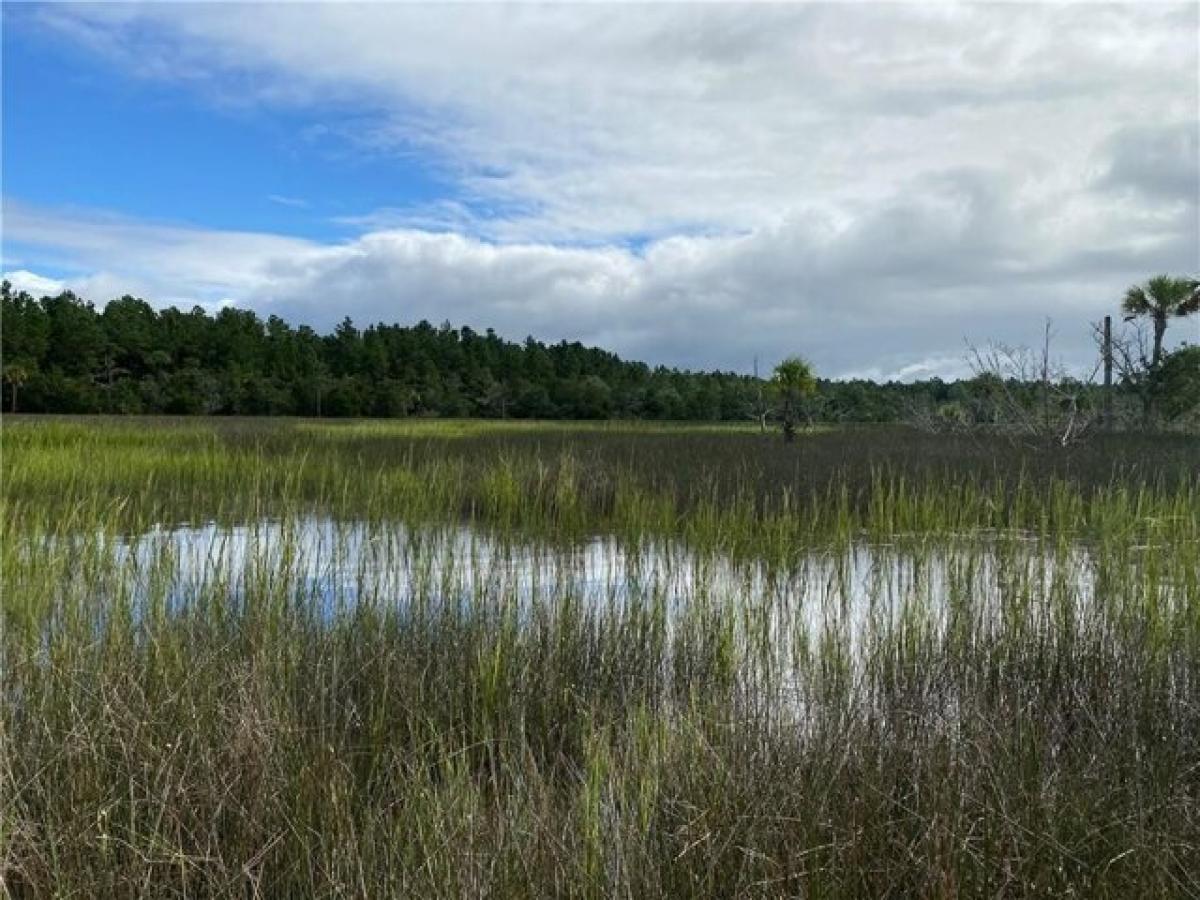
{"x":332,"y":566}
{"x":850,"y":602}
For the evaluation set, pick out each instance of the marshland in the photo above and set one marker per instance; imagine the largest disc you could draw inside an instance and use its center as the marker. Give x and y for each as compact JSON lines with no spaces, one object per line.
{"x":536,"y":450}
{"x":442,"y":659}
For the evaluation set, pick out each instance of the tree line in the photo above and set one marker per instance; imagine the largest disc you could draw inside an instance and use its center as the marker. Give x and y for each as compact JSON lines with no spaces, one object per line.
{"x":61,"y":354}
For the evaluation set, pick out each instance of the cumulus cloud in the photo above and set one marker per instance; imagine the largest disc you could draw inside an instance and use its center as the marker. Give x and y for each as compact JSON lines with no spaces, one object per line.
{"x":601,"y":122}
{"x":34,"y":284}
{"x":867,"y":184}
{"x":864,"y":293}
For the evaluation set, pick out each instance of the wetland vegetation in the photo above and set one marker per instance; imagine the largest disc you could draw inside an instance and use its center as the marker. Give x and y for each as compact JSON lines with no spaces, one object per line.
{"x":295,"y":658}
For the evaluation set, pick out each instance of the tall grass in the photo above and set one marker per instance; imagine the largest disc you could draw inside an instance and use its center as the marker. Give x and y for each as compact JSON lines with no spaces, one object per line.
{"x":405,"y":665}
{"x":719,"y":487}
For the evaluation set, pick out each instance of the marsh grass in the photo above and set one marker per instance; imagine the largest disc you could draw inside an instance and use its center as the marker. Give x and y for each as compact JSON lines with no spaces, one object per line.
{"x":736,"y":708}
{"x":719,"y":486}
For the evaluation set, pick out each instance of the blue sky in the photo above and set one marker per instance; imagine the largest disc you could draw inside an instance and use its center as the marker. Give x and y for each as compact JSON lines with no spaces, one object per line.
{"x":700,"y":186}
{"x":79,"y":131}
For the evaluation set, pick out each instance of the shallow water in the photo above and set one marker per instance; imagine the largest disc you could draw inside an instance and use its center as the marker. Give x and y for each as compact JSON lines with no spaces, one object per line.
{"x":852,"y":604}
{"x":331,"y":565}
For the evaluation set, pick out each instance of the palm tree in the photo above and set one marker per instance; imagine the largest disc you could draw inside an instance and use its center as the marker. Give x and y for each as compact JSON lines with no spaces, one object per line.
{"x":16,"y":375}
{"x":793,"y":382}
{"x":1160,"y":299}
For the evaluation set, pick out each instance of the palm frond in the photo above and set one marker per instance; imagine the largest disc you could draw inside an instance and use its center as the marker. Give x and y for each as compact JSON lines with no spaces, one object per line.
{"x":1162,"y":296}
{"x":1136,"y":303}
{"x":1191,"y":304}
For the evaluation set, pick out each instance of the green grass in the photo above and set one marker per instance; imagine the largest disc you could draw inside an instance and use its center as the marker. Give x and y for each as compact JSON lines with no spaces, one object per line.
{"x":1006,"y":704}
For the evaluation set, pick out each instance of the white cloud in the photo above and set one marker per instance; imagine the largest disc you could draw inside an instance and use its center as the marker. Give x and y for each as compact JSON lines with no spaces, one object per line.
{"x":947,"y":367}
{"x":294,"y":202}
{"x":32,"y":283}
{"x":167,"y":262}
{"x":868,"y":184}
{"x":851,"y":296}
{"x":604,"y":121}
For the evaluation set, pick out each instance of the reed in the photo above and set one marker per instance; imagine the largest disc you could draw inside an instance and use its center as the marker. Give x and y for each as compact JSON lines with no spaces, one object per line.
{"x":287,"y":659}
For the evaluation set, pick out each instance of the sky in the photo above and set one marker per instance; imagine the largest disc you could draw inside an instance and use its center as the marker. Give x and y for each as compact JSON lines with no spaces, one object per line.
{"x":873,"y":186}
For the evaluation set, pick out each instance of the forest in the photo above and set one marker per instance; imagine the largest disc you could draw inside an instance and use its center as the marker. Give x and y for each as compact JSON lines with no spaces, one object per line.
{"x":64,"y":355}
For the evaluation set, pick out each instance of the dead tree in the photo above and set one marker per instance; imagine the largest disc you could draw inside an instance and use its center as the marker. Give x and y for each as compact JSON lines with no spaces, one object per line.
{"x":1061,"y":412}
